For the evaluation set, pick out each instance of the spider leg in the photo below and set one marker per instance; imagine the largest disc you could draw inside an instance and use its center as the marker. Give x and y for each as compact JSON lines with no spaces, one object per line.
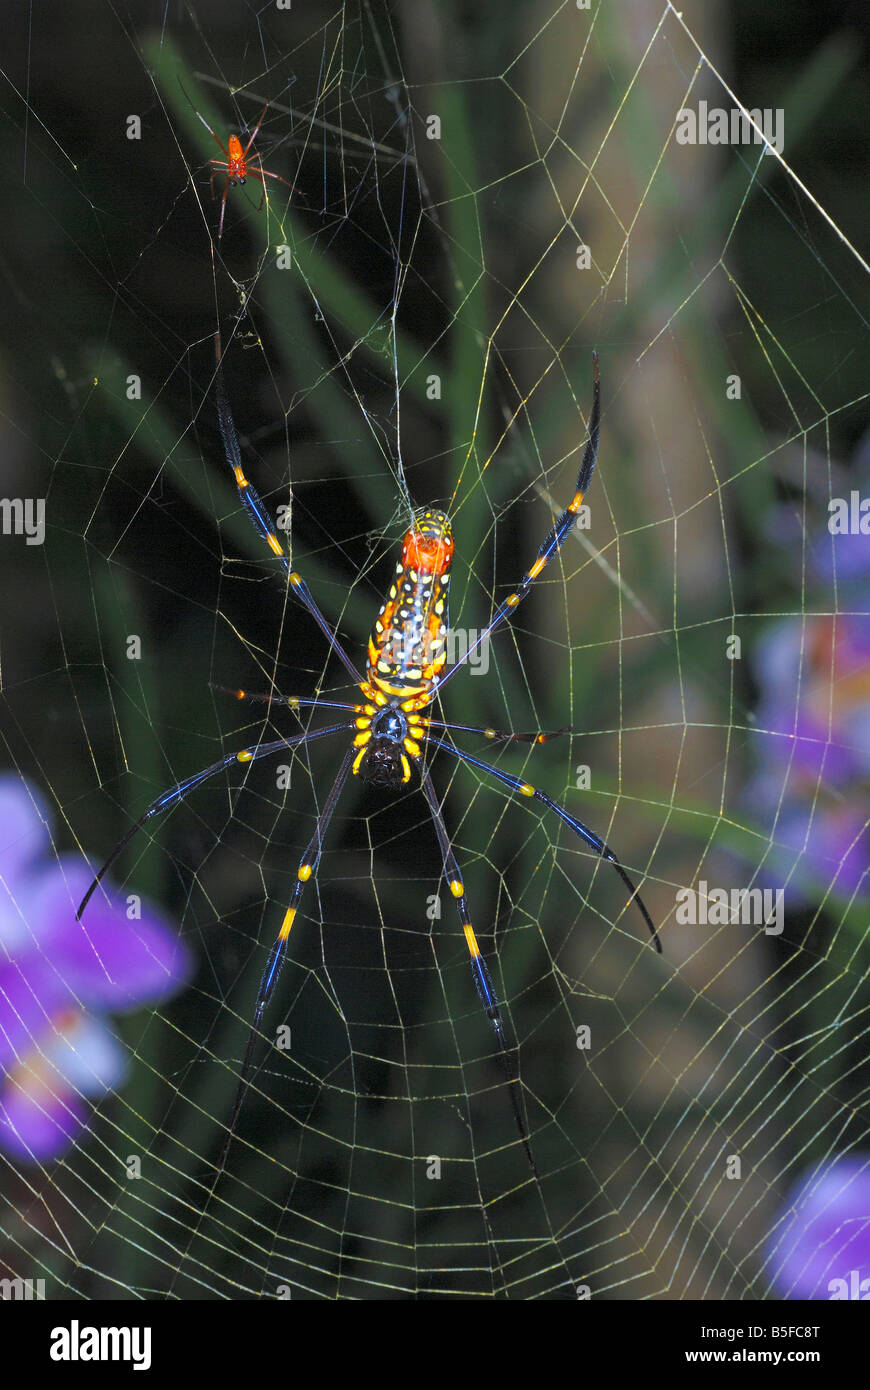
{"x":498,"y":735}
{"x":177,"y":793}
{"x":255,"y":132}
{"x":593,"y":840}
{"x":290,"y":701}
{"x":219,"y":143}
{"x":307,"y":867}
{"x":264,"y":174}
{"x":482,"y":978}
{"x":259,"y":516}
{"x":553,"y":543}
{"x":223,"y":209}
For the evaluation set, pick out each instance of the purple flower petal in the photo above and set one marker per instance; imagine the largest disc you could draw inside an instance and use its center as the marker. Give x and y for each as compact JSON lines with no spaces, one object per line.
{"x":806,"y":745}
{"x":31,"y":994}
{"x":84,"y":1053}
{"x":823,"y":1243}
{"x":53,"y":969}
{"x":39,"y":1128}
{"x":108,"y":959}
{"x":837,"y":844}
{"x":844,"y":557}
{"x":24,"y":825}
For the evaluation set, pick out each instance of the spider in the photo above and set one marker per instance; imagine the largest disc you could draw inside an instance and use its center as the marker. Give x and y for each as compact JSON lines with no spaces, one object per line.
{"x":404,"y":675}
{"x":236,"y":164}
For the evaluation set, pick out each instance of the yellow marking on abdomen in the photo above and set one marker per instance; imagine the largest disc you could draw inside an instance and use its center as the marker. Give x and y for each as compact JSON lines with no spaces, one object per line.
{"x":471,"y":939}
{"x":414,"y":690}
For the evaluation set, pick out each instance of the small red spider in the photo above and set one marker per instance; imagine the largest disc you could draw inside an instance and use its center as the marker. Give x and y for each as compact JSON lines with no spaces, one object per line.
{"x":236,"y":165}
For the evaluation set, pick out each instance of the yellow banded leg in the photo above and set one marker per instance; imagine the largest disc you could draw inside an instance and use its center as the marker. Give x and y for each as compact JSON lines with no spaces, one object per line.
{"x":499,"y":735}
{"x":254,"y":506}
{"x":482,"y":979}
{"x":310,"y":860}
{"x":555,"y":538}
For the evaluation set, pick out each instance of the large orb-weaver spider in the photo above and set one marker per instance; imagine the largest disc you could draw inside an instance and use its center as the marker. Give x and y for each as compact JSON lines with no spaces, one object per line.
{"x":406,"y":655}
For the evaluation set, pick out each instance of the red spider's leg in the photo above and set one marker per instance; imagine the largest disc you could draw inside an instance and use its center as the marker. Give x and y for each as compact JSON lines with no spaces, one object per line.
{"x":267,"y":174}
{"x":223,"y":209}
{"x":258,"y":173}
{"x":219,"y":143}
{"x":263,"y":175}
{"x":221,"y":168}
{"x":256,"y":131}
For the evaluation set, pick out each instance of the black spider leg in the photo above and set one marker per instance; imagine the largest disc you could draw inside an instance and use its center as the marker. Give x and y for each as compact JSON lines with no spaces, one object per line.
{"x":307,"y":867}
{"x":288,"y":701}
{"x":482,"y":978}
{"x":294,"y":702}
{"x":594,"y":841}
{"x":556,"y":537}
{"x":498,"y":735}
{"x":180,"y":790}
{"x":256,"y":510}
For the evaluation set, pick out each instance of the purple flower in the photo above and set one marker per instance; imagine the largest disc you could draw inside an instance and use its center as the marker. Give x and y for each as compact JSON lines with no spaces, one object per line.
{"x":831,"y":841}
{"x":820,"y":1247}
{"x":844,"y":558}
{"x":814,"y":714}
{"x":813,"y":752}
{"x":58,"y":977}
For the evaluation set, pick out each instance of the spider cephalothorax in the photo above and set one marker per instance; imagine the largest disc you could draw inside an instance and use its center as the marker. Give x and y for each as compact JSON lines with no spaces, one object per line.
{"x":383,"y":756}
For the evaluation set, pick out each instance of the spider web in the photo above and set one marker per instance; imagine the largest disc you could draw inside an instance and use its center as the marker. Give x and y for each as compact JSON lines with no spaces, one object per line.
{"x":415,"y":325}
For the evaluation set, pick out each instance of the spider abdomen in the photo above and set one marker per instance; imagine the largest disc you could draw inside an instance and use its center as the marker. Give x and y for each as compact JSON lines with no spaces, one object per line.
{"x":407,"y":651}
{"x":408,"y":646}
